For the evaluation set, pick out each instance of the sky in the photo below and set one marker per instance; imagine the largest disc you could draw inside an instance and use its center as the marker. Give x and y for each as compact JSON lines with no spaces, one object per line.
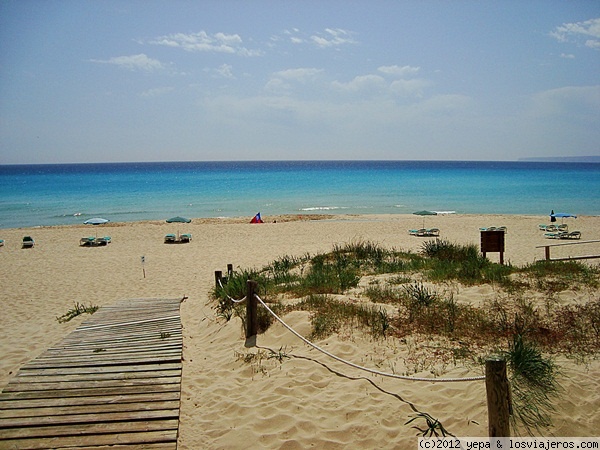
{"x":218,"y":80}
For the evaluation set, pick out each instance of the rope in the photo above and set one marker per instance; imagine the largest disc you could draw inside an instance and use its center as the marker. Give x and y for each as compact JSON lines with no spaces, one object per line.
{"x":229,"y":297}
{"x":366,"y":369}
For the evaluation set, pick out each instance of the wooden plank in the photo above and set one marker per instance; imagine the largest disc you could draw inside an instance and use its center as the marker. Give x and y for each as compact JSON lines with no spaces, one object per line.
{"x":149,"y":359}
{"x":100,"y":369}
{"x":98,"y":417}
{"x":89,"y":384}
{"x":123,"y":390}
{"x":83,"y":429}
{"x":64,"y":402}
{"x":141,"y":439}
{"x":99,"y":408}
{"x":145,"y":446}
{"x":94,"y":376}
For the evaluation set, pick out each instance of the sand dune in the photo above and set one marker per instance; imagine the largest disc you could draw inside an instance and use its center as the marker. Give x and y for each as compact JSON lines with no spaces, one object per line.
{"x":235,"y":397}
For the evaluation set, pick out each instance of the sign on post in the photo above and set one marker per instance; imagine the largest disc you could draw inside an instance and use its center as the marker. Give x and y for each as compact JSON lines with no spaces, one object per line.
{"x":493,"y":241}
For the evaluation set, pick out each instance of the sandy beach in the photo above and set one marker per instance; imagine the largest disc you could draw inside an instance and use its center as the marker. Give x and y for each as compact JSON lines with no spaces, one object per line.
{"x":309,"y":400}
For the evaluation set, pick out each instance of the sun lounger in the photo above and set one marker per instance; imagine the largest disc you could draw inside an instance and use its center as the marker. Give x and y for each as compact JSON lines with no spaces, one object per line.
{"x":1,"y":242}
{"x":170,"y":239}
{"x":87,"y":241}
{"x":425,"y":232}
{"x":556,"y":235}
{"x":28,"y":242}
{"x":105,"y":240}
{"x":497,"y":228}
{"x":563,"y":227}
{"x":571,"y":235}
{"x":185,"y":238}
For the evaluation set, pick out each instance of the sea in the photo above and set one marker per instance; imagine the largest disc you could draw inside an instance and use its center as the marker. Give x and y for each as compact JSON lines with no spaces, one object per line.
{"x":62,"y":194}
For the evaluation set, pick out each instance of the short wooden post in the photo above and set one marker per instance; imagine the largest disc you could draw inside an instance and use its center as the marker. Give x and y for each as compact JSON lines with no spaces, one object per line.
{"x":498,"y":397}
{"x":251,"y":309}
{"x":218,"y":276}
{"x":229,"y":271}
{"x":547,"y":253}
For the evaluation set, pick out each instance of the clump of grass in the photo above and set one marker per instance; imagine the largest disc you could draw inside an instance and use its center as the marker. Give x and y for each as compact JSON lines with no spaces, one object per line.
{"x":329,"y":315}
{"x":77,"y":310}
{"x":383,"y":294}
{"x":534,"y":384}
{"x":433,"y":427}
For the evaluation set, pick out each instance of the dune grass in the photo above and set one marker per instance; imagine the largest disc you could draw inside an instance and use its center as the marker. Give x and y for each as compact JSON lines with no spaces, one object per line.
{"x":415,"y":286}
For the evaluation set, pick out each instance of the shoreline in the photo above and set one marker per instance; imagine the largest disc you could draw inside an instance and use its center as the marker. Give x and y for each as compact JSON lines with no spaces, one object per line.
{"x":225,"y":403}
{"x":297,"y":217}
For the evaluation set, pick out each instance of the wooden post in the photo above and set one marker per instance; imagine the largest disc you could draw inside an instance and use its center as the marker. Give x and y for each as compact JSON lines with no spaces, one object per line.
{"x":218,"y":276}
{"x":498,"y":397}
{"x":229,"y":271}
{"x":547,"y":253}
{"x":251,"y":309}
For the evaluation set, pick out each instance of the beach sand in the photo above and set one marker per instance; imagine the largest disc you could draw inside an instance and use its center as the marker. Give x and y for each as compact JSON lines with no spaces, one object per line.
{"x":309,"y":400}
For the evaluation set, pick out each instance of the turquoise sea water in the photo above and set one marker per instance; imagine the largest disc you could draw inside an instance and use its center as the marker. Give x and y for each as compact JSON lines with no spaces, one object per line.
{"x":35,"y":195}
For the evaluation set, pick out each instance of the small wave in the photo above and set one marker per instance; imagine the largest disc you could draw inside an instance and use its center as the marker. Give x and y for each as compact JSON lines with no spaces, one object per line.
{"x":323,"y":208}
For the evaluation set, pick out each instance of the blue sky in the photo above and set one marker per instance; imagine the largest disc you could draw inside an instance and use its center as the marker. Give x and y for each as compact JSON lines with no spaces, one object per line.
{"x":104,"y":81}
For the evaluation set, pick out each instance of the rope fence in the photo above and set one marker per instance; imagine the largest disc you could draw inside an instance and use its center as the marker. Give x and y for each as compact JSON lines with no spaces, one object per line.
{"x":497,"y":387}
{"x":356,"y":366}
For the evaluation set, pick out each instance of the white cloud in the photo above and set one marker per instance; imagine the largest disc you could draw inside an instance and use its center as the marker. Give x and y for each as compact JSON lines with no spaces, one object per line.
{"x":332,"y":37}
{"x":402,"y":72}
{"x":133,"y":62}
{"x":572,"y":32}
{"x":281,"y":81}
{"x":361,"y":83}
{"x":374,"y":83}
{"x":592,"y":43}
{"x":204,"y":42}
{"x":225,"y":71}
{"x":567,"y":55}
{"x":569,"y":100}
{"x":300,"y":74}
{"x":411,"y":88}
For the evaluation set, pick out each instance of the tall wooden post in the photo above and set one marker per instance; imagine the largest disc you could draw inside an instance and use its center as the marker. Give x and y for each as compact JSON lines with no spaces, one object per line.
{"x":251,"y":309}
{"x":218,"y":276}
{"x":498,"y":397}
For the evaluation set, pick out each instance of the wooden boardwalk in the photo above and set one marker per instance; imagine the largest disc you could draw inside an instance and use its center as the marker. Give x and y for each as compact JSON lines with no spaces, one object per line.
{"x":114,"y":382}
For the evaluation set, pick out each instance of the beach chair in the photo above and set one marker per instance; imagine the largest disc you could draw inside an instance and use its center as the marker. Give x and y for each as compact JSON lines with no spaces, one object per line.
{"x":87,"y":241}
{"x":433,"y":232}
{"x":563,"y":227}
{"x":105,"y":240}
{"x":1,"y":242}
{"x":170,"y":239}
{"x":556,"y":235}
{"x":571,"y":235}
{"x":28,"y":242}
{"x":542,"y":227}
{"x":185,"y":238}
{"x":551,"y":228}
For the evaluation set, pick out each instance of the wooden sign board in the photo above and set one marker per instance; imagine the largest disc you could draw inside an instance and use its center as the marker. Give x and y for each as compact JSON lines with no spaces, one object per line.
{"x":493,"y":241}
